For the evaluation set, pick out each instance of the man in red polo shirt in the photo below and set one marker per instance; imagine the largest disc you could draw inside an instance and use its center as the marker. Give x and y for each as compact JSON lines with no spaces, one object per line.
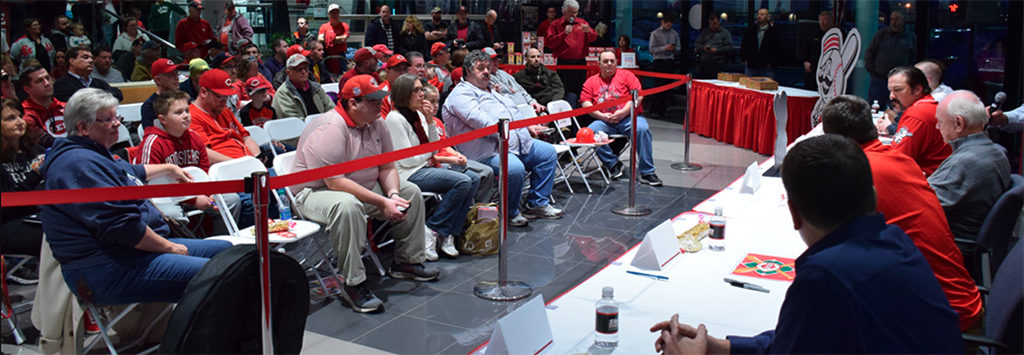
{"x":334,"y":35}
{"x":906,"y":200}
{"x":225,"y":137}
{"x":194,"y":29}
{"x":569,"y":38}
{"x":43,"y":112}
{"x":916,"y":134}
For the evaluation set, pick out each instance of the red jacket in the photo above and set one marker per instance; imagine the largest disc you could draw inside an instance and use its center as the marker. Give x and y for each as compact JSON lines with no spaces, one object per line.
{"x":918,"y":138}
{"x":193,"y":31}
{"x":159,"y":147}
{"x":223,"y":133}
{"x":906,"y":200}
{"x":569,"y":46}
{"x":49,"y":119}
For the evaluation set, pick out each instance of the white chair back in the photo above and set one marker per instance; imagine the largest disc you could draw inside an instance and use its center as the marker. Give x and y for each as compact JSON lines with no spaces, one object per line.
{"x":258,"y":134}
{"x":284,"y":128}
{"x":124,"y":136}
{"x":141,"y":131}
{"x":236,"y":169}
{"x":311,"y":118}
{"x":131,"y":112}
{"x":330,"y":87}
{"x":560,"y":106}
{"x":283,"y":163}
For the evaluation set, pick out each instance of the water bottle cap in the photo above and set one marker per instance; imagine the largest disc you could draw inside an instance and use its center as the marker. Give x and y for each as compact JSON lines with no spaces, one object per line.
{"x":718,"y":210}
{"x":607,"y":292}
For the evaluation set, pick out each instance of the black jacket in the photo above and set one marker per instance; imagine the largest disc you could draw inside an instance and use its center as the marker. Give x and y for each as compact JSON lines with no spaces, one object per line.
{"x":543,"y":85}
{"x":475,"y":35}
{"x":769,"y":53}
{"x":67,"y":85}
{"x":407,"y":42}
{"x":375,"y":33}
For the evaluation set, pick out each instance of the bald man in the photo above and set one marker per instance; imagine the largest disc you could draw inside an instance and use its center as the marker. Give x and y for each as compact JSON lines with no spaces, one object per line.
{"x":933,"y":71}
{"x":971,"y":179}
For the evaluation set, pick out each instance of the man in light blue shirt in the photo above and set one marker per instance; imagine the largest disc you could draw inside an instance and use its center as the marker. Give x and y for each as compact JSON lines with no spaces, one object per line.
{"x":472,"y":105}
{"x":1009,"y":121}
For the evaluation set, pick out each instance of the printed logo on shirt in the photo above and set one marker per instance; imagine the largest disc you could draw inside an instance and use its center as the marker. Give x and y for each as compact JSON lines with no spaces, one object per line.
{"x":55,"y":126}
{"x":902,"y":133}
{"x":183,"y":158}
{"x":133,"y":179}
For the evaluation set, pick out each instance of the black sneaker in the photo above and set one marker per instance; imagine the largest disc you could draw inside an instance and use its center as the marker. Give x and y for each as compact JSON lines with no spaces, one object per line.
{"x":650,"y":179}
{"x":615,"y":172}
{"x":363,"y":300}
{"x":417,"y":272}
{"x":25,"y":275}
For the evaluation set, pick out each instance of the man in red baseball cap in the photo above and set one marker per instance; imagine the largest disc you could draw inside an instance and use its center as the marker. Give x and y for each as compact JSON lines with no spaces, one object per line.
{"x":165,"y":75}
{"x":349,"y":132}
{"x":366,"y":63}
{"x":225,"y":136}
{"x":397,"y":65}
{"x":190,"y":50}
{"x":383,"y":53}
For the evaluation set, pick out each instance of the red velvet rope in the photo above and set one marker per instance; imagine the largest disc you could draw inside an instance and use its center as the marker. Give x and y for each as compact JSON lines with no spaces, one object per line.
{"x":35,"y":198}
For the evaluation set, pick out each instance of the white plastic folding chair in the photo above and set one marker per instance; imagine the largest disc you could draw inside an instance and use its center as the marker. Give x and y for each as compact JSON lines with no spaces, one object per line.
{"x":586,"y":152}
{"x":124,"y":136}
{"x":330,"y":87}
{"x":284,"y":129}
{"x":258,"y":134}
{"x":141,"y":131}
{"x":283,"y":165}
{"x":312,"y":118}
{"x":131,"y":113}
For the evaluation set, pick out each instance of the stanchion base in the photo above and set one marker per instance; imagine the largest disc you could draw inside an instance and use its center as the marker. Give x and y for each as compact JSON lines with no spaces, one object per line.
{"x":686,"y":166}
{"x":632,"y":211}
{"x":508,"y":291}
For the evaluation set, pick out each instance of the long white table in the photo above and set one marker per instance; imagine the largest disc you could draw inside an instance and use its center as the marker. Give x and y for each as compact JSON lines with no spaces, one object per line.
{"x":759,"y":223}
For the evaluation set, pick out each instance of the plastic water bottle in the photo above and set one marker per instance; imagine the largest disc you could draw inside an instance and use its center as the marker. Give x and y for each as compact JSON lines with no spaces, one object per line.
{"x":284,"y":209}
{"x":875,"y":107}
{"x":716,"y":241}
{"x":607,"y":327}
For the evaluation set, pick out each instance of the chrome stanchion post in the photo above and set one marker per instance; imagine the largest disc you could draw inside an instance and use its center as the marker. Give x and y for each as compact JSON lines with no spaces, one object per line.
{"x":685,"y":165}
{"x":632,"y":209}
{"x":503,"y":289}
{"x":261,"y":198}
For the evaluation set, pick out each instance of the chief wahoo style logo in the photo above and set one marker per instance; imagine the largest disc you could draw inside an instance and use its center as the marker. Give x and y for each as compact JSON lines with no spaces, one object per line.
{"x":838,"y":58}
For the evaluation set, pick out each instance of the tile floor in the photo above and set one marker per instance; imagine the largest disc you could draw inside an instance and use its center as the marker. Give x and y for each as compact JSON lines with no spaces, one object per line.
{"x":552,"y":256}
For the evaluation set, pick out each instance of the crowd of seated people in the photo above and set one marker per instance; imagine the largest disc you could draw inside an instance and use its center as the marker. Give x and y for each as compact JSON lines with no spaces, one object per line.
{"x":412,"y":84}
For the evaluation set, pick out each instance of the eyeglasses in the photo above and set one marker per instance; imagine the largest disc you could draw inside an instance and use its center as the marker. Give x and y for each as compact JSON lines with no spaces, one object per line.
{"x":105,"y":121}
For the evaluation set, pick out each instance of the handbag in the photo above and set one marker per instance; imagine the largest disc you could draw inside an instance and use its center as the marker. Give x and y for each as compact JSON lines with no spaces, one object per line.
{"x":481,"y":235}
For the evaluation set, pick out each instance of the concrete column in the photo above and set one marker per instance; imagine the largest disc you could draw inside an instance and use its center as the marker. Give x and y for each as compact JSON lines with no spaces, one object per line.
{"x":623,"y":19}
{"x":866,"y":22}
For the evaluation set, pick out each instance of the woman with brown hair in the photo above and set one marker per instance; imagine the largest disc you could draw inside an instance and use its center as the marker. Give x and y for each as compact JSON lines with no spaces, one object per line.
{"x":20,"y":157}
{"x":245,"y":67}
{"x":412,"y":38}
{"x":408,"y":128}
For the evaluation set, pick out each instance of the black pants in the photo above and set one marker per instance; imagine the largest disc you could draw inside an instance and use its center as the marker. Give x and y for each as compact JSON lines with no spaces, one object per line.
{"x":572,"y":79}
{"x":660,"y":102}
{"x":19,"y":237}
{"x":710,"y":70}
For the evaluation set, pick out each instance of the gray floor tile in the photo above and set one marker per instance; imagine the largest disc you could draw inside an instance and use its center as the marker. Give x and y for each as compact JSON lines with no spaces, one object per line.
{"x":410,"y":335}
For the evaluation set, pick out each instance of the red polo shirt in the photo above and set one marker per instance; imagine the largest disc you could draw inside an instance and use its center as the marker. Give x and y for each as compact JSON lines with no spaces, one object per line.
{"x":918,"y":138}
{"x":906,"y":200}
{"x":223,"y":133}
{"x":197,"y":31}
{"x":569,"y":46}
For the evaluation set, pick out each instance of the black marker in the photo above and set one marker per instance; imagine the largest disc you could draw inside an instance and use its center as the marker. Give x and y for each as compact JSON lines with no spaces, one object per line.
{"x":745,"y":285}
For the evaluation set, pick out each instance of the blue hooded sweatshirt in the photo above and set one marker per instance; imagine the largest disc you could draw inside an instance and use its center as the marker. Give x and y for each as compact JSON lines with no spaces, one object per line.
{"x":83,"y":235}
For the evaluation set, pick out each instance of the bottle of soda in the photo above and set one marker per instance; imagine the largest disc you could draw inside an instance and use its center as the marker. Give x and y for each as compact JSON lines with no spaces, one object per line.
{"x":607,"y":335}
{"x":716,"y":241}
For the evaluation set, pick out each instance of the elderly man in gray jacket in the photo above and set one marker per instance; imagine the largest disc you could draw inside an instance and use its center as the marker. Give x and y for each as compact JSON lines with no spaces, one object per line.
{"x":298,"y":96}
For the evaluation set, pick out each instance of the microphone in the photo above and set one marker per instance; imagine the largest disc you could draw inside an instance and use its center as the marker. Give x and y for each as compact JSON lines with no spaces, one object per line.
{"x":1000,"y":97}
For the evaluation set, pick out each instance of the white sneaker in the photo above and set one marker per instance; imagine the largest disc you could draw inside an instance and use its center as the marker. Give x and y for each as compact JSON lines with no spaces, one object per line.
{"x":431,"y":248}
{"x":448,"y":247}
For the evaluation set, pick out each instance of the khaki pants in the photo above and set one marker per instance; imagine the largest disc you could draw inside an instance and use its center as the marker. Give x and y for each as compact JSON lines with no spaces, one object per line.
{"x":344,"y":218}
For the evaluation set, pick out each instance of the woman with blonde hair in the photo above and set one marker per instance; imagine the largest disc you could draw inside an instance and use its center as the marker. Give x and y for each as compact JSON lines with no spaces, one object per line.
{"x":412,"y":38}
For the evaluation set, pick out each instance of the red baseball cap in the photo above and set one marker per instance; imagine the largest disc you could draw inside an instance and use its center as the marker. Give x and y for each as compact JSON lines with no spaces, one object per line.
{"x":189,"y":46}
{"x":219,"y":81}
{"x":296,"y":49}
{"x":437,"y":48}
{"x":254,"y":84}
{"x":163,"y":66}
{"x":456,"y":75}
{"x":396,"y":60}
{"x":363,"y":86}
{"x":364,"y":54}
{"x":380,"y":48}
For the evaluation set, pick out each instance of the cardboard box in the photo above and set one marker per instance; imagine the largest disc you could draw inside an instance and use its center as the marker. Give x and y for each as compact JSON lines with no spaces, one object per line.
{"x":759,"y":83}
{"x":734,"y":77}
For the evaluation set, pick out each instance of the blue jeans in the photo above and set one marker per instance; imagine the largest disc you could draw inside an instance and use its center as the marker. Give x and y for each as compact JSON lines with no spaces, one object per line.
{"x":457,"y":191}
{"x":152,"y":277}
{"x":766,"y":71}
{"x":541,"y":161}
{"x":644,"y":149}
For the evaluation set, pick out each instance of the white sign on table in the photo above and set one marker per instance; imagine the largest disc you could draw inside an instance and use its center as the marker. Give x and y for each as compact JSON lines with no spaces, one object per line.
{"x":658,"y":248}
{"x":628,"y":60}
{"x":524,"y":331}
{"x":751,"y":180}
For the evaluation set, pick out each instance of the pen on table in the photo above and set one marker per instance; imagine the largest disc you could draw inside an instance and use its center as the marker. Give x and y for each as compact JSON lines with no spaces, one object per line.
{"x":745,"y":285}
{"x":659,"y":277}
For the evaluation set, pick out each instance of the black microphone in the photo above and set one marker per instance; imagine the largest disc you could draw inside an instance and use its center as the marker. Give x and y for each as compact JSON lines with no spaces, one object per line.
{"x":1000,"y":97}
